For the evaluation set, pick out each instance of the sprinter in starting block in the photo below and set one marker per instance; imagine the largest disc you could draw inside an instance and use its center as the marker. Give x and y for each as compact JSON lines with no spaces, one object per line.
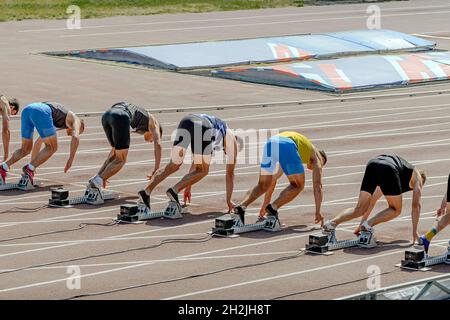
{"x":46,"y":117}
{"x":119,"y":122}
{"x":290,"y":150}
{"x":391,"y":176}
{"x":204,"y":134}
{"x":443,"y":215}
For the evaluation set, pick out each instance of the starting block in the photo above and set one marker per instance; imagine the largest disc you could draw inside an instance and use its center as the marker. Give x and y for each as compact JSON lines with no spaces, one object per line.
{"x":60,"y":197}
{"x":324,"y":243}
{"x":133,"y":213}
{"x":231,"y":225}
{"x":417,"y":259}
{"x":23,"y":184}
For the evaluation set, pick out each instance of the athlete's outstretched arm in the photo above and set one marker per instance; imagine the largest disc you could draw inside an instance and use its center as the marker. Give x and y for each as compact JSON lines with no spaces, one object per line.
{"x":187,"y":191}
{"x":231,"y":154}
{"x":6,"y":134}
{"x":317,"y":187}
{"x":75,"y":142}
{"x":154,"y":128}
{"x":441,"y":211}
{"x":416,"y":204}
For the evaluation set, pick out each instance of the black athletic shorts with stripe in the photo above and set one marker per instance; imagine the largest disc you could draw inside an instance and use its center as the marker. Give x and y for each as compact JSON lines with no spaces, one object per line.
{"x":197,"y":132}
{"x":116,"y":123}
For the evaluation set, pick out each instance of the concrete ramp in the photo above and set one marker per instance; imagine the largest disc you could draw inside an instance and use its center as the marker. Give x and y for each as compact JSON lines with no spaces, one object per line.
{"x":352,"y":73}
{"x":206,"y":55}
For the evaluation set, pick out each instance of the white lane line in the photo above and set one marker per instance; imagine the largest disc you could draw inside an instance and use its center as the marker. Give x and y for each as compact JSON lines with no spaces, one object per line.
{"x":337,"y":125}
{"x":285,"y":275}
{"x":146,"y":264}
{"x":286,"y":208}
{"x":366,"y":105}
{"x":231,"y":256}
{"x":338,"y":12}
{"x":350,"y":121}
{"x":297,"y":21}
{"x":301,"y":114}
{"x":430,"y":36}
{"x":370,"y":133}
{"x":99,"y":240}
{"x":296,"y":127}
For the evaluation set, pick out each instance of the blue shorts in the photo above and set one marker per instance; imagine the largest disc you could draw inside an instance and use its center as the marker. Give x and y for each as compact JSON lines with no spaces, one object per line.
{"x":284,"y":151}
{"x":39,"y":116}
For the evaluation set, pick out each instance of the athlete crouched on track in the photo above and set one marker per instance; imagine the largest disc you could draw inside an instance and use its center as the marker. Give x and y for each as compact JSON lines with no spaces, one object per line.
{"x":443,"y":214}
{"x":391,"y":176}
{"x":46,"y":117}
{"x":117,"y":122}
{"x":290,"y":150}
{"x":205,"y":134}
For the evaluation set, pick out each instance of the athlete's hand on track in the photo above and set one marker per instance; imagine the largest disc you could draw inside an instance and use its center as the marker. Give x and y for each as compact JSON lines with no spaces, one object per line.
{"x":262,"y":212}
{"x":68,"y":166}
{"x":319,"y":219}
{"x":440,"y":212}
{"x":231,"y":206}
{"x":105,"y":183}
{"x":357,"y":230}
{"x":149,"y":176}
{"x":187,"y":195}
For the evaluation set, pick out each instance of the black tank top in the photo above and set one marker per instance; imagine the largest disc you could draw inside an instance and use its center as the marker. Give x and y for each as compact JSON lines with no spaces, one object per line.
{"x":403,"y":167}
{"x":139,"y":117}
{"x":59,"y":114}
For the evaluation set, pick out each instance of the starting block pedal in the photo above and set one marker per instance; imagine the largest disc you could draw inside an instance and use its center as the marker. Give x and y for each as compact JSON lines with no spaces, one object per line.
{"x":23,"y":184}
{"x":231,"y":225}
{"x":324,"y":243}
{"x":133,"y":213}
{"x":92,"y":196}
{"x":417,"y":259}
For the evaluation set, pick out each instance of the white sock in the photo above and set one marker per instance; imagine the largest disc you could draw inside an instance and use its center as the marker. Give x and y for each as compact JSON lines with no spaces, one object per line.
{"x":31,"y":167}
{"x":5,"y":166}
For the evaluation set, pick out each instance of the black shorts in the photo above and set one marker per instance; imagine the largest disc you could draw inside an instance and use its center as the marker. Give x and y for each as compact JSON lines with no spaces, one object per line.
{"x":379,"y":174}
{"x":197,"y":132}
{"x":448,"y":189}
{"x":116,"y":123}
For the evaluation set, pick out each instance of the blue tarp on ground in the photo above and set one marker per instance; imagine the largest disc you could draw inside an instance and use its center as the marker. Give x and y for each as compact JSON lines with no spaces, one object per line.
{"x":352,"y":73}
{"x":262,"y":50}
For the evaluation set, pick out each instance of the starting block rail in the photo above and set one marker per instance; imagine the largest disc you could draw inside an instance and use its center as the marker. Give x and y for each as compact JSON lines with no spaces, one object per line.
{"x":417,"y":259}
{"x":23,"y":184}
{"x":60,"y":197}
{"x":133,"y":213}
{"x":324,"y":243}
{"x":230,"y":224}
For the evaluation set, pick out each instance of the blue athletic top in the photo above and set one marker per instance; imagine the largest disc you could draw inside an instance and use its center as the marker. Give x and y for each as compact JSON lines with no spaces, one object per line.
{"x":219,"y":132}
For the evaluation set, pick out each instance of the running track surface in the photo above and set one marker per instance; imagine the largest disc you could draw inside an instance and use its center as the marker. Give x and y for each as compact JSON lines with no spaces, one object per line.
{"x":351,"y":131}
